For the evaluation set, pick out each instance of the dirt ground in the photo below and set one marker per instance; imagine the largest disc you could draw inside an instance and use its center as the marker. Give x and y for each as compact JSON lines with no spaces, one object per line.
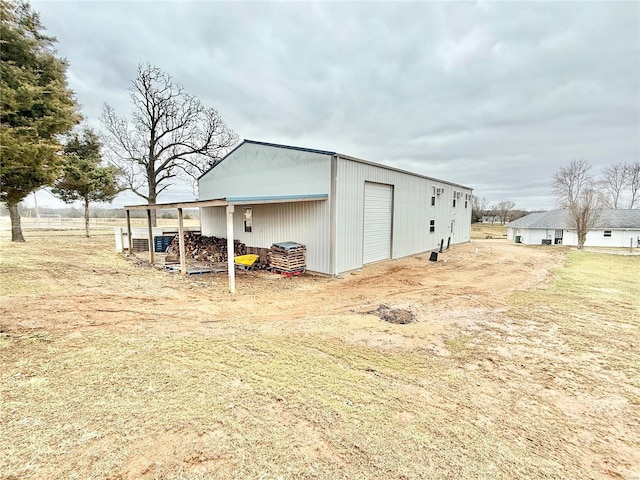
{"x":437,"y":293}
{"x":450,"y":300}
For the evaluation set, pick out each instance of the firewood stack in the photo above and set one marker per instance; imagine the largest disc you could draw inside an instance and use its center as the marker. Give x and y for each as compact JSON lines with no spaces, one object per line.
{"x":287,"y":257}
{"x":205,"y":249}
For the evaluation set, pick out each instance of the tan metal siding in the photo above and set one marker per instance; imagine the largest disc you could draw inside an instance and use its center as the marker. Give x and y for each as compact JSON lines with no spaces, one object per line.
{"x":263,"y":171}
{"x":304,"y":222}
{"x":412,"y":211}
{"x":260,"y":171}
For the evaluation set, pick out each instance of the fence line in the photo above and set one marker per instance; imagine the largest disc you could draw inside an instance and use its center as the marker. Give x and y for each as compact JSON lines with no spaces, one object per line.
{"x":78,"y":223}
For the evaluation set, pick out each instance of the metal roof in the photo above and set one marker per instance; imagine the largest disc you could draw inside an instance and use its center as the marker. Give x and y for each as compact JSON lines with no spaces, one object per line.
{"x":222,"y":202}
{"x":290,"y":147}
{"x":340,"y":155}
{"x":608,"y":219}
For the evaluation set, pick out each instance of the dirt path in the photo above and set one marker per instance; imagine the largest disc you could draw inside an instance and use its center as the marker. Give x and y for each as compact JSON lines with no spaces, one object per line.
{"x":466,"y":281}
{"x":518,"y":388}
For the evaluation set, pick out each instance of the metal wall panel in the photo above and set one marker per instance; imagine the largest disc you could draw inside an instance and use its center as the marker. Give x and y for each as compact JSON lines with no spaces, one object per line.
{"x":260,"y":171}
{"x":263,"y":171}
{"x":303,"y":222}
{"x":378,"y":203}
{"x":412,"y":212}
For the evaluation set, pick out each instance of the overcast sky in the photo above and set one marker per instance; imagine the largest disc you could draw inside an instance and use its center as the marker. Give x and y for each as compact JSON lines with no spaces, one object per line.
{"x":495,"y":96}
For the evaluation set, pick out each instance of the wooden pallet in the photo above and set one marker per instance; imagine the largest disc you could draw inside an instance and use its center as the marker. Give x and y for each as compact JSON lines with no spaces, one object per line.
{"x":287,"y":273}
{"x":194,"y":270}
{"x":288,"y":257}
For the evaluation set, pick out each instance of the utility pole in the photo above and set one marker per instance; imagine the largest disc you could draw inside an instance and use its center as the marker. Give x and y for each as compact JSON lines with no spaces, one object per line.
{"x":35,"y":200}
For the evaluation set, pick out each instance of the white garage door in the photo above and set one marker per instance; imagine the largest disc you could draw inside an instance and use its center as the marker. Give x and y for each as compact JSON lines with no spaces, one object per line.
{"x":377,"y":222}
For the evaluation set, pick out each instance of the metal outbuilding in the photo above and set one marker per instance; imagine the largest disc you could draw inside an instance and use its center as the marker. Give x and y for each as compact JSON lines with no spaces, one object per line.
{"x":226,"y":205}
{"x":347,"y":211}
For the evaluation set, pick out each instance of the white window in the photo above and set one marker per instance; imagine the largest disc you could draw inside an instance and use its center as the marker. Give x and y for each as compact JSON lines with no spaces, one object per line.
{"x":607,"y":233}
{"x":247,"y":218}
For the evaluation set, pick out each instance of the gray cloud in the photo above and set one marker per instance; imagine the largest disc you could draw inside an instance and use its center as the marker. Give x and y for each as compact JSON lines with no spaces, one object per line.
{"x":492,"y":95}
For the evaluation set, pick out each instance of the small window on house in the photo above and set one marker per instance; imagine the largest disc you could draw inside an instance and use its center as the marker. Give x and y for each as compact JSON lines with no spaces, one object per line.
{"x":432,"y":226}
{"x":433,"y":200}
{"x":247,"y":218}
{"x":607,"y":233}
{"x":454,"y":202}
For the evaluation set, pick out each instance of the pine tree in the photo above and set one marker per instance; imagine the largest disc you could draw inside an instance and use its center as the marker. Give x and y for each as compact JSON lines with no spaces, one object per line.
{"x":83,"y":178}
{"x":36,"y":106}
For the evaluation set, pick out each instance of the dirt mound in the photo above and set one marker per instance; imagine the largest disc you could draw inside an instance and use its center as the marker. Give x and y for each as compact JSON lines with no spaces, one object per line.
{"x":393,"y":315}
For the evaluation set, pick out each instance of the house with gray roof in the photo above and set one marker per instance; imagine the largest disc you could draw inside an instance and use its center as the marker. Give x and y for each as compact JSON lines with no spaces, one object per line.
{"x":614,"y":228}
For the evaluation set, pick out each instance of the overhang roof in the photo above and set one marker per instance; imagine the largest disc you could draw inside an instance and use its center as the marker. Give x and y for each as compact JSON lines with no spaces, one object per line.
{"x":223,"y":202}
{"x":613,"y":219}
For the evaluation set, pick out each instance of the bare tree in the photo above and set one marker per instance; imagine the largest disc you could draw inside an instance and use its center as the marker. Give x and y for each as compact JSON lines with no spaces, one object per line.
{"x":574,"y":187}
{"x":493,"y":212}
{"x":171,"y":135}
{"x":503,"y":209}
{"x":633,"y":178}
{"x":612,"y":184}
{"x":478,"y":208}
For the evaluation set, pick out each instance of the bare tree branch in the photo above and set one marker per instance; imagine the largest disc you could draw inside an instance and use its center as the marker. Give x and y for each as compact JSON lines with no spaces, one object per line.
{"x":169,"y":132}
{"x":612,"y":184}
{"x":478,"y":208}
{"x":633,"y":178}
{"x":575,"y":190}
{"x":504,"y":208}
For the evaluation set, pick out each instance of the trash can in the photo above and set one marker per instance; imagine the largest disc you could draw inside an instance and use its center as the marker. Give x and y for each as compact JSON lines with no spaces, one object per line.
{"x":518,"y":239}
{"x":162,"y":242}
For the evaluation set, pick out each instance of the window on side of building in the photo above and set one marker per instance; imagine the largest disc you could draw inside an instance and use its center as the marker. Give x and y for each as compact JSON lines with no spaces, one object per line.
{"x":432,"y":226}
{"x":433,"y":200}
{"x":454,"y":202}
{"x":466,"y":204}
{"x":607,"y":233}
{"x":247,"y":218}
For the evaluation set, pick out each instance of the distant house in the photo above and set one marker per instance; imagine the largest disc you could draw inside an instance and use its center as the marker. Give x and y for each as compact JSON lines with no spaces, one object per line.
{"x":614,"y":228}
{"x":490,"y":219}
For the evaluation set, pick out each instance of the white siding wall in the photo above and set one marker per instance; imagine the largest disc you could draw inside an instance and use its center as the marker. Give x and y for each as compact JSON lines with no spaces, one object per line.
{"x":259,"y":170}
{"x":283,"y":222}
{"x":595,"y":238}
{"x":412,"y":212}
{"x":534,"y":236}
{"x":262,"y":171}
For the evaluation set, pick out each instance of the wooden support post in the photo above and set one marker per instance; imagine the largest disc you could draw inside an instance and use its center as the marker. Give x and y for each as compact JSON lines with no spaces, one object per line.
{"x":152,"y":257}
{"x":231,"y":251}
{"x":121,"y":239}
{"x":129,"y":239}
{"x":183,"y":260}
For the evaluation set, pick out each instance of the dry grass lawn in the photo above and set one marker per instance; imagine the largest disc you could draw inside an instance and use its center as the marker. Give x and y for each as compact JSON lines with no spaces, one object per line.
{"x":524,"y":362}
{"x":488,"y":230}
